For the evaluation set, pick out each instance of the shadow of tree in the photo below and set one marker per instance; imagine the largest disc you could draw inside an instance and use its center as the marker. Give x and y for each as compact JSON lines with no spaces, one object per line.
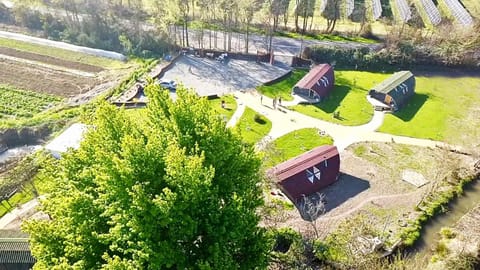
{"x":413,"y":105}
{"x":332,"y":102}
{"x":347,"y":186}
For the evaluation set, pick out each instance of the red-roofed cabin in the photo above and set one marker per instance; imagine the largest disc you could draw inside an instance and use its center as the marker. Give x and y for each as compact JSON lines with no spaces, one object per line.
{"x":308,"y":173}
{"x":317,"y":83}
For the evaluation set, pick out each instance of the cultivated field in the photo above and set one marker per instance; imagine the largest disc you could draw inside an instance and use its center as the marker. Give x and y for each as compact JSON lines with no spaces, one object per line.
{"x":21,"y":103}
{"x":54,"y":71}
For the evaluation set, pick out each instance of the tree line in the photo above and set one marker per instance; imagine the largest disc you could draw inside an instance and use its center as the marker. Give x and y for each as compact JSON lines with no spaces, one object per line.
{"x":145,"y":27}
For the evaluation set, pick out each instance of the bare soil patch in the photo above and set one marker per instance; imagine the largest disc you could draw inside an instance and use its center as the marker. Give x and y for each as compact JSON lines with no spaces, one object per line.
{"x":371,"y":184}
{"x":49,"y":60}
{"x":42,"y":79}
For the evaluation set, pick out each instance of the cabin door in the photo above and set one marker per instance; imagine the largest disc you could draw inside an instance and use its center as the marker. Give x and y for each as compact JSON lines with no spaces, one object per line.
{"x":388,"y":99}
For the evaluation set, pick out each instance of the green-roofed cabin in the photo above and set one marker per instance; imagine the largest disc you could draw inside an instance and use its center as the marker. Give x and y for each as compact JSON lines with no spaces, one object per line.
{"x":396,"y":90}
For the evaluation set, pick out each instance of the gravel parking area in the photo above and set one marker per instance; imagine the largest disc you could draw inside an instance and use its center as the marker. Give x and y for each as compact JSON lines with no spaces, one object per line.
{"x":209,"y":77}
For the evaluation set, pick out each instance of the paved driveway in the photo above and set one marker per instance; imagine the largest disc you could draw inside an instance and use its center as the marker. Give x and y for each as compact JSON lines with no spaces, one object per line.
{"x":208,"y":77}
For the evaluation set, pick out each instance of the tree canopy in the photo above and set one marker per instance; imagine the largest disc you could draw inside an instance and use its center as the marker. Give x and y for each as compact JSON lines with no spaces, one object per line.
{"x":179,"y":191}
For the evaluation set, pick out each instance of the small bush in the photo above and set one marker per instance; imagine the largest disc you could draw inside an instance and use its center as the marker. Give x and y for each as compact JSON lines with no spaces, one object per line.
{"x":283,"y":239}
{"x":447,"y":233}
{"x":441,"y":249}
{"x":259,"y":119}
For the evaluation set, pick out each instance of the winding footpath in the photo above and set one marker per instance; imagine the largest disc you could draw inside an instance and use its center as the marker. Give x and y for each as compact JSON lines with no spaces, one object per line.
{"x":285,"y":121}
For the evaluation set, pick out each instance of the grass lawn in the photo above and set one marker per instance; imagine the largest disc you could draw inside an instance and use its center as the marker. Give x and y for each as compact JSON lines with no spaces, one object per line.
{"x":443,"y":108}
{"x":61,"y":54}
{"x":253,"y":130}
{"x":295,"y":143}
{"x":25,"y":195}
{"x":328,"y":37}
{"x":18,"y":199}
{"x":348,"y":97}
{"x":283,"y":88}
{"x":230,"y":106}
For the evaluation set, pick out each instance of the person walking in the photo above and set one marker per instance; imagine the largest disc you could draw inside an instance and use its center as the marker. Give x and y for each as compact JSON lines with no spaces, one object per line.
{"x":261,"y":99}
{"x":279,"y":101}
{"x":274,"y":103}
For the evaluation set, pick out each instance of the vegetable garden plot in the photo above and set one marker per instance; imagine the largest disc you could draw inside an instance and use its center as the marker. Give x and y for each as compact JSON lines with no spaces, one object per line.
{"x":43,"y":80}
{"x":22,"y":103}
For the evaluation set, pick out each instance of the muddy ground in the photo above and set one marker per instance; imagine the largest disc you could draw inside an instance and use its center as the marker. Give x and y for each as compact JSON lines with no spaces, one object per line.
{"x":42,"y":79}
{"x":49,"y":60}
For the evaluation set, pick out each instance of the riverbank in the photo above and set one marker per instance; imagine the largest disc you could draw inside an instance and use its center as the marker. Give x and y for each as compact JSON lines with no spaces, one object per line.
{"x":459,"y":246}
{"x":436,"y":202}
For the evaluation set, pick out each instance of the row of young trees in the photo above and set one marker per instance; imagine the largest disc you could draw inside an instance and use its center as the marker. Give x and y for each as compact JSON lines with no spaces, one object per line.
{"x":137,"y":26}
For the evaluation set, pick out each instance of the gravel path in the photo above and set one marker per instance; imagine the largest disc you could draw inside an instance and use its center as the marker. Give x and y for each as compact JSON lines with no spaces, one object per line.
{"x":237,"y":115}
{"x":285,"y":121}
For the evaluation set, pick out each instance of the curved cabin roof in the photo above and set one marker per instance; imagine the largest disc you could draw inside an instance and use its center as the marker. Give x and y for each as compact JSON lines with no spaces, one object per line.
{"x":400,"y":87}
{"x":393,"y":81}
{"x":304,"y":161}
{"x":313,"y":76}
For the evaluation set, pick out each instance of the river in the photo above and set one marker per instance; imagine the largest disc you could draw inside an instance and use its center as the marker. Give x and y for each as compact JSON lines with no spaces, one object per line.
{"x":456,"y":209}
{"x":17,"y":152}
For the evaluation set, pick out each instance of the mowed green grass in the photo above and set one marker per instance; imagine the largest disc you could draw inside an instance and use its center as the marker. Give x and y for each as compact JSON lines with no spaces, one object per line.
{"x":328,"y":37}
{"x":253,"y":131}
{"x":283,"y":88}
{"x":19,"y":103}
{"x":295,"y":143}
{"x":444,"y":108}
{"x":62,"y":54}
{"x":230,"y":106}
{"x":348,"y":98}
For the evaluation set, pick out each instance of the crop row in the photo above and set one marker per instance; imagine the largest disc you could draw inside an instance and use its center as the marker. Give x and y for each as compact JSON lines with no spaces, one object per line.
{"x":22,"y":103}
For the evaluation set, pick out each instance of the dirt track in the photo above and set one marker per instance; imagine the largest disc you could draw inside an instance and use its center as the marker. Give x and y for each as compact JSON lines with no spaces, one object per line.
{"x":40,"y":79}
{"x":50,"y":60}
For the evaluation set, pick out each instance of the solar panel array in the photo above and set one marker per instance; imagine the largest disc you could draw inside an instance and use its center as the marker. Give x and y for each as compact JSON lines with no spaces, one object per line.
{"x":431,"y":11}
{"x":403,"y":10}
{"x":377,"y":9}
{"x":459,"y":12}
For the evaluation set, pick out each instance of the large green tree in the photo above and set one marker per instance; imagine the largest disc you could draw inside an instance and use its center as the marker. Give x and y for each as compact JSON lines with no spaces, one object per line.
{"x":175,"y":191}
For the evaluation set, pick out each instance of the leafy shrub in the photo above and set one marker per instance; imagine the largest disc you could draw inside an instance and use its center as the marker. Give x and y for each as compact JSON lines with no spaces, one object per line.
{"x":283,"y":238}
{"x":52,"y":27}
{"x":5,"y":14}
{"x":441,"y":249}
{"x":259,"y":119}
{"x":447,"y":233}
{"x":28,"y":18}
